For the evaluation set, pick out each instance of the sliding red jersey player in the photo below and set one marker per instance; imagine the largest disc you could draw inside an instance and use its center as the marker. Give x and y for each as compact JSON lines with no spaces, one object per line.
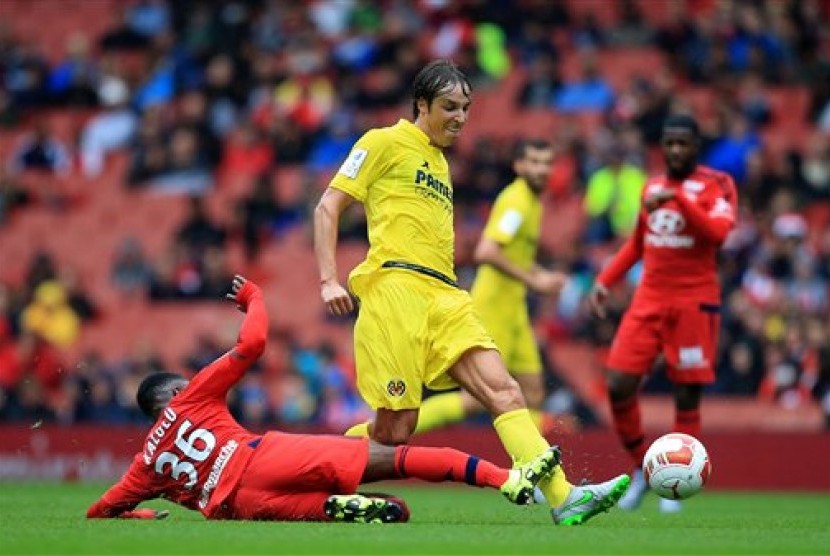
{"x":685,"y":217}
{"x":199,"y":457}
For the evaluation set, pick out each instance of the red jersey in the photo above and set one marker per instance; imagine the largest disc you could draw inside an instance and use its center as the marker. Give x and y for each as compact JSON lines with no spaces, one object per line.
{"x":678,"y":242}
{"x":196,"y":451}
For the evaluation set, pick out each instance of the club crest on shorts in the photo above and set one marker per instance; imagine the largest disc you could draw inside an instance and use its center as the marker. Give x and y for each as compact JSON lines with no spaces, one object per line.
{"x":396,"y":387}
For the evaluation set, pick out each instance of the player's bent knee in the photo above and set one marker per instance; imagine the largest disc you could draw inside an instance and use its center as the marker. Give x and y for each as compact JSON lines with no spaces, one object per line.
{"x":622,"y":386}
{"x":394,"y":428}
{"x":391,"y":436}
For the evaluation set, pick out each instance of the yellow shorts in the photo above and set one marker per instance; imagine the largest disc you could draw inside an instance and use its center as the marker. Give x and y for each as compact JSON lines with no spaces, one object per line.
{"x":509,"y":325}
{"x":410,"y":330}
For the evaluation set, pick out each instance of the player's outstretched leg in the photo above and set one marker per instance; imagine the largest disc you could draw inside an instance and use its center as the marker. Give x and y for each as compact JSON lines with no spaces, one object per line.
{"x":363,"y":508}
{"x":523,"y":480}
{"x":586,"y":501}
{"x":632,"y":499}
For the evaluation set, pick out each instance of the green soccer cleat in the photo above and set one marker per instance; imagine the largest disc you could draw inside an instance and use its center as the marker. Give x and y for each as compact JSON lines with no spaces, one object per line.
{"x":522,"y":480}
{"x":584,"y":502}
{"x":358,"y":508}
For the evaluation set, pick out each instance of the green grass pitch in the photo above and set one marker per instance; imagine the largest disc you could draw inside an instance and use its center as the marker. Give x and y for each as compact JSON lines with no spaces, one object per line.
{"x":48,"y":518}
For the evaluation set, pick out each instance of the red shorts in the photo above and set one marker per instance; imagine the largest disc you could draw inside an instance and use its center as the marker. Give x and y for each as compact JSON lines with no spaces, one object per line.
{"x":686,"y":333}
{"x":290,"y":476}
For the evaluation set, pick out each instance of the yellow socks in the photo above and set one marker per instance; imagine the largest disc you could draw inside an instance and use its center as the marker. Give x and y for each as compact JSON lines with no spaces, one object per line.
{"x":522,"y":440}
{"x":439,"y":410}
{"x":360,"y":430}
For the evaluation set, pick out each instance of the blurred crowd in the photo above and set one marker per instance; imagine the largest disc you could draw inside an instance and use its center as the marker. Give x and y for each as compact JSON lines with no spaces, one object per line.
{"x":196,"y":94}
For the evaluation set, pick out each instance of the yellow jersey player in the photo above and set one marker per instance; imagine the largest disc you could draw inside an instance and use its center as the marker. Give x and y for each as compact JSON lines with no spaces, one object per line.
{"x":415,"y":326}
{"x":506,"y":254}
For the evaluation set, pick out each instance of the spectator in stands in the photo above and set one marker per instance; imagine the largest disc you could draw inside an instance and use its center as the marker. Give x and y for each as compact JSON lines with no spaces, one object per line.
{"x":148,"y":151}
{"x":12,"y":195}
{"x":534,"y":42}
{"x":612,"y":199}
{"x":77,"y":297}
{"x":757,"y":46}
{"x":97,"y":392}
{"x":340,"y":404}
{"x":257,"y":215}
{"x":158,"y":86}
{"x":198,"y":231}
{"x":109,"y":130}
{"x":729,"y":153}
{"x":194,"y":114}
{"x":813,"y":169}
{"x":187,"y":169}
{"x":743,"y":368}
{"x":50,"y":317}
{"x":761,"y":181}
{"x":225,"y":94}
{"x":150,"y":18}
{"x":122,"y":35}
{"x":41,"y":268}
{"x":542,"y":84}
{"x":753,"y":101}
{"x":333,"y":143}
{"x":631,"y":28}
{"x":40,"y":151}
{"x":214,"y":273}
{"x":246,"y":154}
{"x":74,"y":81}
{"x":25,"y":75}
{"x":589,"y":93}
{"x":130,"y":272}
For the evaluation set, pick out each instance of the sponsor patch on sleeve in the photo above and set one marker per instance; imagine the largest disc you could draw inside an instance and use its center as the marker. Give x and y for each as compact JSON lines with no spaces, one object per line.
{"x":351,"y":166}
{"x":722,"y":209}
{"x":510,"y":221}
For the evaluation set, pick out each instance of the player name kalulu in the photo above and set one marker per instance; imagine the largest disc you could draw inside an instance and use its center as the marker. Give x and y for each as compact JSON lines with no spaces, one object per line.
{"x":158,"y":433}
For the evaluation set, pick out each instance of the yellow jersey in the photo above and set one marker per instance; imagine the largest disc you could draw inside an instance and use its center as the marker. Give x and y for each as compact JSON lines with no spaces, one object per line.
{"x":514,"y":223}
{"x":404,"y":184}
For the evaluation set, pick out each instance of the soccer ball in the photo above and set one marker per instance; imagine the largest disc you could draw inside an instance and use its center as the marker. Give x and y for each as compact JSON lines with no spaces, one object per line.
{"x":676,"y":466}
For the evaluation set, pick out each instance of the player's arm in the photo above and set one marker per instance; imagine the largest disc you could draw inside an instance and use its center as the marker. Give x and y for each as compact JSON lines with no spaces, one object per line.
{"x":537,"y":278}
{"x":218,"y":377}
{"x":628,"y":255}
{"x":713,"y":224}
{"x":122,"y":498}
{"x":367,"y":162}
{"x":326,"y":224}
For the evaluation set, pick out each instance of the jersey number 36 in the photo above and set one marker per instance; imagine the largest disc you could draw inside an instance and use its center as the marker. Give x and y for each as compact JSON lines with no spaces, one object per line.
{"x":189,"y":449}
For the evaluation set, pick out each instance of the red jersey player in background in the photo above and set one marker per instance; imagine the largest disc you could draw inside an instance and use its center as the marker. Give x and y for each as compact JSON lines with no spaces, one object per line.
{"x":199,"y":457}
{"x":685,"y":217}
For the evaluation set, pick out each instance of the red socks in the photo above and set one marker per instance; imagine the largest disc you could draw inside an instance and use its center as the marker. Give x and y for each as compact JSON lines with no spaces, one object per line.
{"x":629,"y":428}
{"x":446,"y":464}
{"x":688,"y":422}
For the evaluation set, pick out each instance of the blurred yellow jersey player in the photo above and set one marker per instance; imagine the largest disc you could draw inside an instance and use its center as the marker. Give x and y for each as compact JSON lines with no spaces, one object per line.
{"x":415,"y":326}
{"x":506,"y":254}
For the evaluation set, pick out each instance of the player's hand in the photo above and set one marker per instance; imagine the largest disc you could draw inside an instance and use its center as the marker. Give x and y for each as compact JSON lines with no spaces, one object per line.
{"x":145,"y":513}
{"x":597,"y":297}
{"x":656,"y":198}
{"x":237,"y":295}
{"x":336,"y":297}
{"x":548,"y":282}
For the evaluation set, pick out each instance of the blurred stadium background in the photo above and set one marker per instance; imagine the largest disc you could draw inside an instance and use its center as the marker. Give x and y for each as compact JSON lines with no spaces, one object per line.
{"x":151,"y":149}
